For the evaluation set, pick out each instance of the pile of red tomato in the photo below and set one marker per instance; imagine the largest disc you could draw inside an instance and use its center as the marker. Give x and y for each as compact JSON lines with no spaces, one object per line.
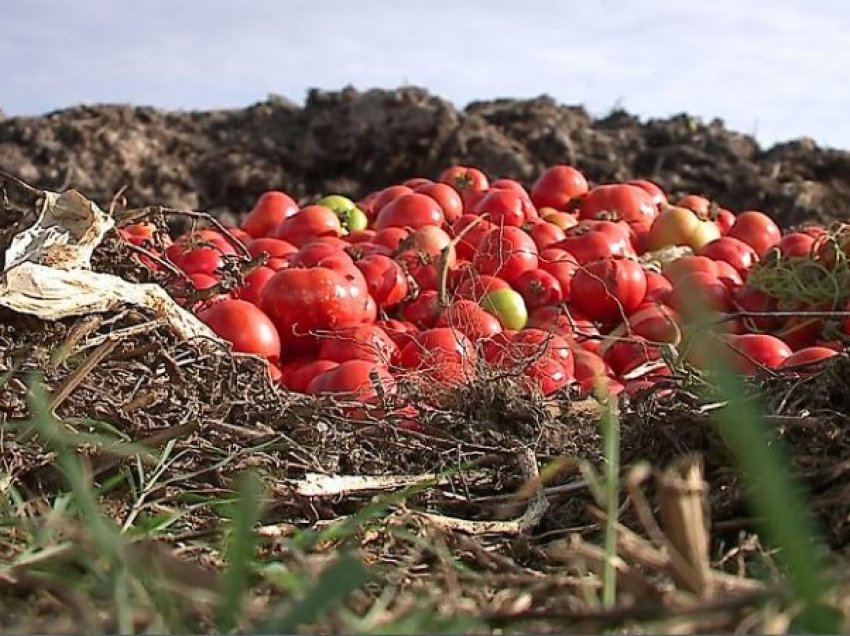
{"x":444,"y":279}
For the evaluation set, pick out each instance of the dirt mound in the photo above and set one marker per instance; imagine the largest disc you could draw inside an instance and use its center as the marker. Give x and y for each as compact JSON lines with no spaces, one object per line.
{"x":352,"y":142}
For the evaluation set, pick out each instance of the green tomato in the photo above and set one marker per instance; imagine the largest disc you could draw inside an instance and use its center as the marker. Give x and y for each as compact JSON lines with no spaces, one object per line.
{"x":351,"y":217}
{"x":508,"y":306}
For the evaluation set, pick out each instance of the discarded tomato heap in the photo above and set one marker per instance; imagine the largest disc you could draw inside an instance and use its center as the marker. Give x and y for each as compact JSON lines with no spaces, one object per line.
{"x":560,"y":287}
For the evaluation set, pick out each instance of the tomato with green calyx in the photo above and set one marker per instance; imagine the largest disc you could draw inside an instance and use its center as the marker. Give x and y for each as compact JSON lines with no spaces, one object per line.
{"x":508,"y":306}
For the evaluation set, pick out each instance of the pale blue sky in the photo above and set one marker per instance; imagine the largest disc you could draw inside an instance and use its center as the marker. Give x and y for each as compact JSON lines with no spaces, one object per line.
{"x":779,"y":69}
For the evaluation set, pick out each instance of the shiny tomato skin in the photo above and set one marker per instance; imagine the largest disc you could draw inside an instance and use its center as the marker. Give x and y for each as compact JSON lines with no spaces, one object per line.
{"x":447,"y":198}
{"x":301,"y":377}
{"x":474,"y":286}
{"x":560,"y":264}
{"x":470,"y":319}
{"x":245,"y":326}
{"x":385,"y":280}
{"x":538,"y":288}
{"x":412,"y":210}
{"x":734,"y":251}
{"x":255,"y":282}
{"x":698,"y":293}
{"x":388,"y":195}
{"x":748,"y":352}
{"x":465,"y":179}
{"x":392,"y":237}
{"x":435,"y":346}
{"x":303,"y":301}
{"x":501,"y":207}
{"x":417,"y":182}
{"x":608,"y":289}
{"x":696,"y":203}
{"x":355,"y":379}
{"x":724,"y":221}
{"x":617,"y":202}
{"x":279,"y":251}
{"x":654,"y":191}
{"x":658,"y":287}
{"x":808,"y":357}
{"x":591,"y":241}
{"x":557,"y":186}
{"x":796,"y":245}
{"x":199,"y":252}
{"x":309,"y":223}
{"x":677,"y":225}
{"x":548,"y":375}
{"x":545,"y":234}
{"x":424,"y":310}
{"x":757,"y":230}
{"x":268,"y":213}
{"x":506,"y":252}
{"x":362,"y":342}
{"x":468,"y":245}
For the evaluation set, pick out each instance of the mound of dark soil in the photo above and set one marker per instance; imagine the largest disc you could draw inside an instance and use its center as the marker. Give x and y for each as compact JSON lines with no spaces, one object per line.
{"x":352,"y":142}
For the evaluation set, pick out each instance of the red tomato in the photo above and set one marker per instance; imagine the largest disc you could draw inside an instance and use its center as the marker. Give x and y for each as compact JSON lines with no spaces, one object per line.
{"x":435,"y":346}
{"x":698,"y":293}
{"x":608,"y":289}
{"x":255,"y":283}
{"x":354,"y":378}
{"x":506,"y":253}
{"x":627,"y":355}
{"x":617,"y":202}
{"x":316,"y":253}
{"x":363,"y":342}
{"x":697,"y":203}
{"x":400,"y":331}
{"x":654,"y":191}
{"x":279,"y":251}
{"x":658,"y":287}
{"x":200,"y":252}
{"x":301,"y":302}
{"x":447,"y":198}
{"x":502,"y":207}
{"x":557,"y":186}
{"x":304,"y":372}
{"x":568,"y":324}
{"x":749,"y":352}
{"x":686,"y":265}
{"x":799,"y":332}
{"x":470,"y":319}
{"x":464,"y":179}
{"x":412,"y":210}
{"x":468,"y":245}
{"x":474,"y":286}
{"x":728,"y":275}
{"x":538,"y":288}
{"x":385,"y":280}
{"x":245,"y":326}
{"x":364,"y":250}
{"x":545,"y":234}
{"x":310,"y":223}
{"x":548,"y":375}
{"x":589,"y":242}
{"x":388,"y":195}
{"x":392,"y":237}
{"x":735,"y":252}
{"x":724,"y":221}
{"x":807,"y":357}
{"x":424,"y":310}
{"x":269,"y":212}
{"x":752,"y":299}
{"x":756,"y":230}
{"x":590,"y":368}
{"x":508,"y":184}
{"x":560,"y":264}
{"x":654,"y":322}
{"x":796,"y":245}
{"x":361,"y":236}
{"x":422,"y":269}
{"x":417,"y":182}
{"x":429,"y":240}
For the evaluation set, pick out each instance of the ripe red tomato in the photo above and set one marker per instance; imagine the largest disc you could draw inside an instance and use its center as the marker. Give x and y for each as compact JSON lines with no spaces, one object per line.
{"x":392,"y":237}
{"x":654,"y":322}
{"x":302,"y":375}
{"x":728,"y":275}
{"x":749,"y":352}
{"x":470,"y":319}
{"x":200,"y":252}
{"x":506,"y":253}
{"x":686,"y":265}
{"x":538,"y":288}
{"x":417,"y":182}
{"x":590,"y":368}
{"x":424,"y":310}
{"x":623,"y":356}
{"x":756,"y":230}
{"x":654,"y":191}
{"x":400,"y":331}
{"x":474,"y":286}
{"x":468,"y":245}
{"x":447,"y":198}
{"x":591,"y":241}
{"x":697,"y":203}
{"x":548,"y":375}
{"x":358,"y":379}
{"x":566,"y":323}
{"x":255,"y":283}
{"x":608,"y":289}
{"x":361,"y":342}
{"x":735,"y":252}
{"x":464,"y":179}
{"x":245,"y":326}
{"x":412,"y":210}
{"x":436,"y":346}
{"x":796,"y":245}
{"x":724,"y":220}
{"x":429,"y":240}
{"x":695,"y":294}
{"x":388,"y":195}
{"x":545,"y":234}
{"x":301,"y":302}
{"x":308,"y":224}
{"x":269,"y":212}
{"x":557,"y":186}
{"x":560,"y":264}
{"x":385,"y":280}
{"x":316,"y":253}
{"x":360,"y":236}
{"x":752,"y":299}
{"x":617,"y":202}
{"x":658,"y":287}
{"x":807,"y":358}
{"x":279,"y":251}
{"x":502,"y":207}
